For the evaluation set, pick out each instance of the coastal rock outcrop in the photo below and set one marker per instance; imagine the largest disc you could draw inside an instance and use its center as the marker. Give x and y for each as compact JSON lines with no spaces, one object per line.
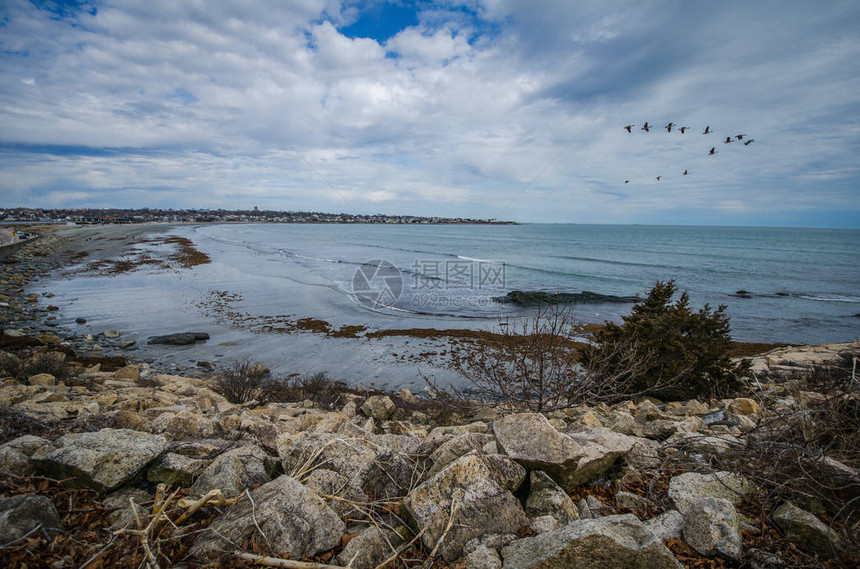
{"x":179,"y":339}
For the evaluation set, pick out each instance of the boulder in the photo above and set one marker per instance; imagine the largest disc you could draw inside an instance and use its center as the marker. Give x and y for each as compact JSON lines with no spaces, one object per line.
{"x":102,"y":460}
{"x":668,"y":525}
{"x":365,"y":461}
{"x":44,"y":379}
{"x":175,"y":470}
{"x":530,"y":440}
{"x":27,"y":444}
{"x":546,"y":498}
{"x":380,"y":407}
{"x":186,"y":424}
{"x":807,"y":531}
{"x":744,"y":406}
{"x":687,"y":488}
{"x":611,"y":542}
{"x":327,"y":483}
{"x":480,"y":488}
{"x":236,"y":470}
{"x":129,"y":372}
{"x":602,"y":448}
{"x":294,"y":521}
{"x":483,"y":557}
{"x":21,"y":514}
{"x":180,"y":339}
{"x":454,"y":448}
{"x":711,"y":527}
{"x":13,"y":462}
{"x":369,"y":548}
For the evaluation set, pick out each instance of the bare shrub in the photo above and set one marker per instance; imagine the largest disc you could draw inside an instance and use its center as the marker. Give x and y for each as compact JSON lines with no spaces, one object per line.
{"x":242,"y":381}
{"x":53,"y":363}
{"x":10,"y":365}
{"x":536,"y":364}
{"x":808,"y":452}
{"x":319,"y":388}
{"x":14,"y":424}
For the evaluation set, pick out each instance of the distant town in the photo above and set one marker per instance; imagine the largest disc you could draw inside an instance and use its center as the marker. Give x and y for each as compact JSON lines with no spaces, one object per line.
{"x":145,"y":215}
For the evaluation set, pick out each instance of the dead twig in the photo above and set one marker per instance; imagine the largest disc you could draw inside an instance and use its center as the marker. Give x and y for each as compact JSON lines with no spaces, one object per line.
{"x":455,"y":505}
{"x":401,"y":549}
{"x":278,"y":562}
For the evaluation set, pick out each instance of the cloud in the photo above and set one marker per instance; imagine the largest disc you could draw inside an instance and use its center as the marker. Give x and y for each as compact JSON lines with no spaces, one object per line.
{"x":455,"y":113}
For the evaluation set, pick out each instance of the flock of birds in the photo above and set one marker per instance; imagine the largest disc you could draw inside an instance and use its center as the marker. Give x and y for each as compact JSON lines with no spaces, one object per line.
{"x":737,"y":138}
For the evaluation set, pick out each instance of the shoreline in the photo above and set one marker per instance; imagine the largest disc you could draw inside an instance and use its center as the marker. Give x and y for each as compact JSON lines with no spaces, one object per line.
{"x":99,"y":247}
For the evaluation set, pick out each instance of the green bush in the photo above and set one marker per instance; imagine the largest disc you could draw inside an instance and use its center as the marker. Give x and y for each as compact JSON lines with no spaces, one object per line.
{"x":685,"y":352}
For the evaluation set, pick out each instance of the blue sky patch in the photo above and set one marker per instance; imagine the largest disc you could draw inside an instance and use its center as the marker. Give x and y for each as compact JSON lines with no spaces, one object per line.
{"x":382,"y":20}
{"x":183,"y":96}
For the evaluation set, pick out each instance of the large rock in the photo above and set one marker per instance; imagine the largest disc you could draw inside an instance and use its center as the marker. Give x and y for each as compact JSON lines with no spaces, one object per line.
{"x":611,"y":542}
{"x":236,"y":470}
{"x":529,"y":439}
{"x":379,"y":407}
{"x":805,"y":530}
{"x":175,"y":470}
{"x":365,"y":461}
{"x":370,"y":548}
{"x":180,"y":339}
{"x":13,"y":462}
{"x":711,"y":527}
{"x":602,"y":448}
{"x":102,"y":460}
{"x":546,"y":498}
{"x":454,"y":448}
{"x":295,"y":522}
{"x":20,"y":515}
{"x":481,"y":486}
{"x":668,"y":525}
{"x":687,"y":488}
{"x":337,"y":491}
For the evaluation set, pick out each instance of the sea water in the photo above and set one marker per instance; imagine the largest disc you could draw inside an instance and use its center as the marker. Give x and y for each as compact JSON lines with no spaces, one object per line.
{"x":778,"y":284}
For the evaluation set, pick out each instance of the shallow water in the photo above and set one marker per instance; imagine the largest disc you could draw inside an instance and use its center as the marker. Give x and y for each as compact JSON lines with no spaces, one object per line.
{"x":803,"y":286}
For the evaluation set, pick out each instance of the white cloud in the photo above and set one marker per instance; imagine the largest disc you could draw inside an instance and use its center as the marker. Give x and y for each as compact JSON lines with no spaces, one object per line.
{"x":453,"y":116}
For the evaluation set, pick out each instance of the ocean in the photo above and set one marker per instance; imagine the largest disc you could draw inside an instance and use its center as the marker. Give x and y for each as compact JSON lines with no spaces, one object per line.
{"x":779,"y":285}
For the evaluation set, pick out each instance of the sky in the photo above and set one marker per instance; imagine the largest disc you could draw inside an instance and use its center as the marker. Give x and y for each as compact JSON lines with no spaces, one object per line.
{"x":508,"y":109}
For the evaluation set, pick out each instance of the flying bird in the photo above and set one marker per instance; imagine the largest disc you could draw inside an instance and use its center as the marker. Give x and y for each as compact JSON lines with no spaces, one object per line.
{"x":626,"y":181}
{"x":748,"y":142}
{"x":658,"y":178}
{"x":740,"y":136}
{"x":669,"y":126}
{"x":728,"y":140}
{"x":713,"y":151}
{"x":629,"y":127}
{"x":683,"y":128}
{"x":707,"y":130}
{"x":646,"y":127}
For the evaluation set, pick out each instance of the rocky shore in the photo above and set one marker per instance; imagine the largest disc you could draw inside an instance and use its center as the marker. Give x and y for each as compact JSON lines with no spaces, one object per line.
{"x":129,"y":466}
{"x":110,"y":462}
